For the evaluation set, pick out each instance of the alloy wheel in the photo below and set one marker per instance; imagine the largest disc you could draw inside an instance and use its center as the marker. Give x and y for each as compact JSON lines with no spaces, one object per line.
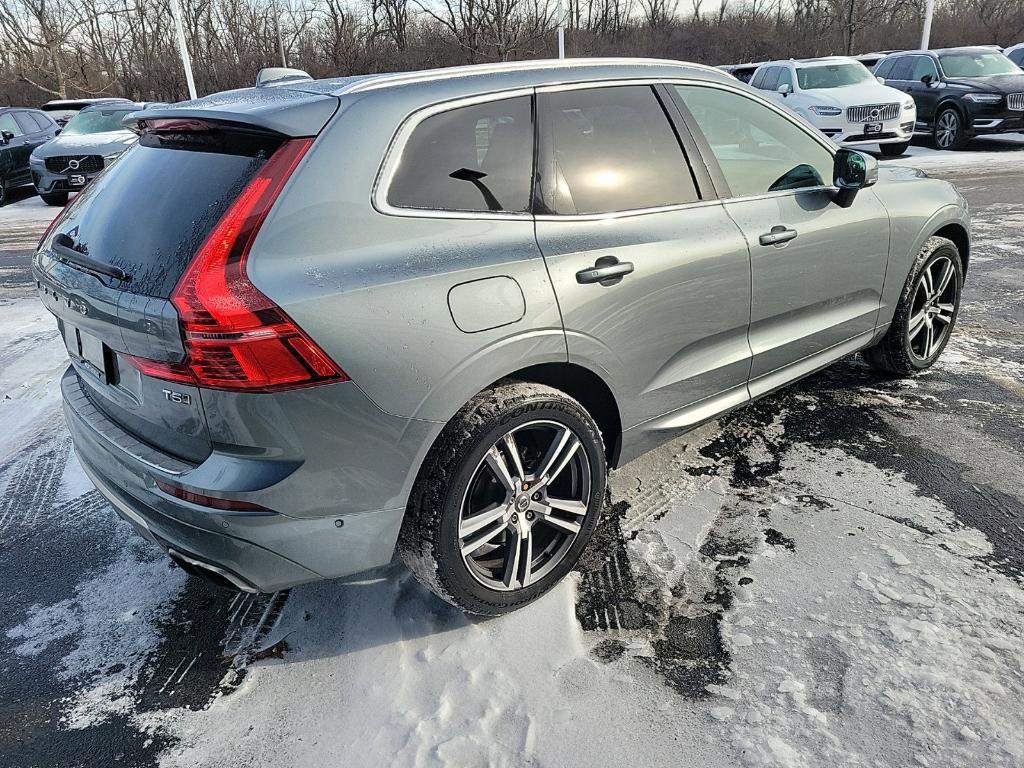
{"x":947,"y":129}
{"x":525,"y":505}
{"x":933,"y":308}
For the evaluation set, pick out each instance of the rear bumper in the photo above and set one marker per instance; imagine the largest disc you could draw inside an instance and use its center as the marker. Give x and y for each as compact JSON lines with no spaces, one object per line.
{"x":260,"y":551}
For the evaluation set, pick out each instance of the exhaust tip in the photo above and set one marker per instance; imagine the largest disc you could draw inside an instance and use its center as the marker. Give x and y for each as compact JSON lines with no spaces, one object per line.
{"x":211,"y":573}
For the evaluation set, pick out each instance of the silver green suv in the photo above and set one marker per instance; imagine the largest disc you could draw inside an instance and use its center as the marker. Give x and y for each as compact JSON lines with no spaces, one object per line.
{"x":313,"y":323}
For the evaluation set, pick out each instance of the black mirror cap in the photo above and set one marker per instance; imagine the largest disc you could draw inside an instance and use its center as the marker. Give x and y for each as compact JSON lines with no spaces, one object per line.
{"x":6,"y":136}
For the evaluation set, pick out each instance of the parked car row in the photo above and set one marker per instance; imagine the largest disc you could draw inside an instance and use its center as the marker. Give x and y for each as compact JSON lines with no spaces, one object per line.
{"x":884,"y":98}
{"x":61,"y":146}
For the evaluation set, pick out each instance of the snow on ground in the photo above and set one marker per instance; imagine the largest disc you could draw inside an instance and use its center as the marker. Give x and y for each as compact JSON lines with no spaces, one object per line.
{"x":988,"y":153}
{"x":24,"y":221}
{"x":32,"y":359}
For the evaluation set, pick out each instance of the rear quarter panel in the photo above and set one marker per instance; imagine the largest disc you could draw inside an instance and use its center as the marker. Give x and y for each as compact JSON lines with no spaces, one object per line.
{"x":373,"y":288}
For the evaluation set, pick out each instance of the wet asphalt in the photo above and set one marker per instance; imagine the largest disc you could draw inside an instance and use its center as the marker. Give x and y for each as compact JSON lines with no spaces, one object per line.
{"x":957,"y":436}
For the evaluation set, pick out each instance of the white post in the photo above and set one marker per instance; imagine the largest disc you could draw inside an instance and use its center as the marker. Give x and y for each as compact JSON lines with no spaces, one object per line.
{"x":280,"y":39}
{"x":183,"y":49}
{"x":926,"y":32}
{"x":561,"y":29}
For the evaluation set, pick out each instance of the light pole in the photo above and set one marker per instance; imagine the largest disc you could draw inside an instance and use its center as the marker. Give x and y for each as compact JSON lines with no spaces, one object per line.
{"x":186,"y":62}
{"x":926,"y":32}
{"x":280,"y":39}
{"x":561,"y":29}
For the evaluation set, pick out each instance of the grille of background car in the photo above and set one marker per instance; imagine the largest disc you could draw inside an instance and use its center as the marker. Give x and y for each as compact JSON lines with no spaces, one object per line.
{"x":862,"y":112}
{"x":1015,"y":101}
{"x":86,"y":163}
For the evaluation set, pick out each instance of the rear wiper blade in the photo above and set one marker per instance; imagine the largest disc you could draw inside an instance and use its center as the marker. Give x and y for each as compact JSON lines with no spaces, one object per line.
{"x":63,"y":247}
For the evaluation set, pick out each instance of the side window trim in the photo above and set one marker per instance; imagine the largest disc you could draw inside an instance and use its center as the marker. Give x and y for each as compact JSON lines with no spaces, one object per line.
{"x":722,"y":187}
{"x":706,"y":188}
{"x":386,"y":173}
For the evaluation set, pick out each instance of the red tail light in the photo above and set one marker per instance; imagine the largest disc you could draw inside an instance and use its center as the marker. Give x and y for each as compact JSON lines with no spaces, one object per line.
{"x":232,"y":505}
{"x":235,"y":337}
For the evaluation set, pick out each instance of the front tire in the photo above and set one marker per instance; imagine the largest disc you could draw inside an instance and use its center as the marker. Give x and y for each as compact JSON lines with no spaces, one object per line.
{"x":895,"y":149}
{"x":949,"y":132}
{"x":926,"y":313}
{"x":506,"y":500}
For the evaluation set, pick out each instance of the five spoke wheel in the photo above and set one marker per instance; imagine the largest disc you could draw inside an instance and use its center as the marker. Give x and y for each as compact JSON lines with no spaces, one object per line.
{"x":524,"y":505}
{"x":934,"y":306}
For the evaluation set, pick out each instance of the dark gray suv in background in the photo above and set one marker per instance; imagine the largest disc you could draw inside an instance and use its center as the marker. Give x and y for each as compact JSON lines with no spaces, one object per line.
{"x":311,"y":322}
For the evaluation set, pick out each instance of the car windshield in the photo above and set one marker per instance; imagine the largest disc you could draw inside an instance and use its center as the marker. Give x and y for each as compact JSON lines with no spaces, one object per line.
{"x":96,"y":121}
{"x":832,"y":75}
{"x":977,"y":64}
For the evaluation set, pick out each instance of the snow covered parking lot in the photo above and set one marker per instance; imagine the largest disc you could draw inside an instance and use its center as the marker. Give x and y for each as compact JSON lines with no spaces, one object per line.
{"x":831,"y":576}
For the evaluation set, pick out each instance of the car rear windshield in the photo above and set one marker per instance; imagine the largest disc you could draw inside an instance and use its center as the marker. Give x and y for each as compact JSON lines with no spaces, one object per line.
{"x":977,"y":64}
{"x":832,"y":76}
{"x":96,"y":121}
{"x":149,"y":212}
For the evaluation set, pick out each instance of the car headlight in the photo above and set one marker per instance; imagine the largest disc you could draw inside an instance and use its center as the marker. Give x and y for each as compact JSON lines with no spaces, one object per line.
{"x":909,"y":104}
{"x":983,"y":98}
{"x":33,"y":160}
{"x":823,"y":111}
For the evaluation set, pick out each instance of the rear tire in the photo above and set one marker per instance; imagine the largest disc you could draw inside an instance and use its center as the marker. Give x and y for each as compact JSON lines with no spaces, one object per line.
{"x":468,"y":534}
{"x":926,"y":312}
{"x":949,"y":132}
{"x":894,"y":150}
{"x":55,"y":198}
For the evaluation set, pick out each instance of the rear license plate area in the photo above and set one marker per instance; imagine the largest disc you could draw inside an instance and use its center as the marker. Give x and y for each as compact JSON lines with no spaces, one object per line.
{"x":89,"y":350}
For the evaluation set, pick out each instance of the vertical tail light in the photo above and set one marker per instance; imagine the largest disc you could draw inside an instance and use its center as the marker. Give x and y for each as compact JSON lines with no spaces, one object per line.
{"x":235,"y":337}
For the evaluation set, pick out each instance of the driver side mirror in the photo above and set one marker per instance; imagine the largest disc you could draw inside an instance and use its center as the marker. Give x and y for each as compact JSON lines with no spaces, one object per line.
{"x":57,"y":132}
{"x":784,"y":89}
{"x":5,"y":137}
{"x":927,"y":79}
{"x":851,"y":172}
{"x":881,"y":80}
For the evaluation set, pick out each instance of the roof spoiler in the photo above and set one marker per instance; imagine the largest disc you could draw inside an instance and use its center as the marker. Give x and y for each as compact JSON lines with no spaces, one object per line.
{"x":269,"y":76}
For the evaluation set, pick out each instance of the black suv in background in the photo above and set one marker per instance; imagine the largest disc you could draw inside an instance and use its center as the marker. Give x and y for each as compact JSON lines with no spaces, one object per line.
{"x":960,"y":92}
{"x":21,"y":131}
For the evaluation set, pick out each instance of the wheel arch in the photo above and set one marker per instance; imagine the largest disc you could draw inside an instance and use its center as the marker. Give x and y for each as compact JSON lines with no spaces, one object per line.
{"x":961,"y":239}
{"x":592,"y":392}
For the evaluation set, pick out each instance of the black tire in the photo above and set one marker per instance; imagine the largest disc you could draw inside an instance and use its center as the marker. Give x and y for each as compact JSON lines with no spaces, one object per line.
{"x":55,"y":198}
{"x":957,"y":138}
{"x":429,"y":541}
{"x":894,"y":150}
{"x":3,"y":193}
{"x":895,"y":353}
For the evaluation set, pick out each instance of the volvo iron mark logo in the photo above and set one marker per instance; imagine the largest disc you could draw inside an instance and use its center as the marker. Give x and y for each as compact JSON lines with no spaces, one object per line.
{"x":72,"y":166}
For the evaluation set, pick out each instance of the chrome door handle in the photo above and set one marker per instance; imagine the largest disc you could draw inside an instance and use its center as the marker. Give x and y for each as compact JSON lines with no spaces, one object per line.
{"x":779,"y":235}
{"x":607,"y":270}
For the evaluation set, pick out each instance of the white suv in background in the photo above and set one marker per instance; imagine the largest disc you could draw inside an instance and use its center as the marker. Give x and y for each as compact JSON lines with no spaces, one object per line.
{"x":840,"y":97}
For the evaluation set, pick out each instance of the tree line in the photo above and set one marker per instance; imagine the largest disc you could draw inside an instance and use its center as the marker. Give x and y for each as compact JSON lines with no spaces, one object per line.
{"x":87,"y":48}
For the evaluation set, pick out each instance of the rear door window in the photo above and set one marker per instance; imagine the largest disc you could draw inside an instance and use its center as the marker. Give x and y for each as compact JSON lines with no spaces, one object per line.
{"x":472,"y":158}
{"x":884,"y":67}
{"x":903,"y":67}
{"x":28,"y":125}
{"x":758,"y":77}
{"x":611,"y":149}
{"x":150,"y":212}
